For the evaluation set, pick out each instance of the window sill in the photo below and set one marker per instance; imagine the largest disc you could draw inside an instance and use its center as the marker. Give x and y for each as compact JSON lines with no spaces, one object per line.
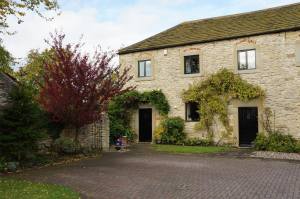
{"x":144,"y":79}
{"x":196,"y":121}
{"x":192,"y":75}
{"x":246,"y":71}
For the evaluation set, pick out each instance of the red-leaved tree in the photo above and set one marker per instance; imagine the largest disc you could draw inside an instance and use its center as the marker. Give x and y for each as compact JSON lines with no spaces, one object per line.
{"x":77,"y":87}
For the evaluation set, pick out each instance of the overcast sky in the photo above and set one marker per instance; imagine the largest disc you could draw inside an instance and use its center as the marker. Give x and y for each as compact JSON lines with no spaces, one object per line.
{"x":116,"y":23}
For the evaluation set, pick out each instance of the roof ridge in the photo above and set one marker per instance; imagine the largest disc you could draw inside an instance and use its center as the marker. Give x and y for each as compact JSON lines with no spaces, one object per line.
{"x":9,"y":76}
{"x":265,"y":21}
{"x":239,"y":14}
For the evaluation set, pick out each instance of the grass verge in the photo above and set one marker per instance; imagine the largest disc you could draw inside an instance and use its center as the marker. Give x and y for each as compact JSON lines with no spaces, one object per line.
{"x":191,"y":149}
{"x":12,"y":188}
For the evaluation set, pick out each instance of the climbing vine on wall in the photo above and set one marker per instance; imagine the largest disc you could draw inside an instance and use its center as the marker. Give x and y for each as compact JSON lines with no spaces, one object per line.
{"x":214,"y":94}
{"x":121,"y":107}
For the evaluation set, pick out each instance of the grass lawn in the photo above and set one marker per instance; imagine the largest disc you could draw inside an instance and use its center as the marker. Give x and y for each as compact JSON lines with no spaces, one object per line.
{"x":12,"y":188}
{"x":190,"y":149}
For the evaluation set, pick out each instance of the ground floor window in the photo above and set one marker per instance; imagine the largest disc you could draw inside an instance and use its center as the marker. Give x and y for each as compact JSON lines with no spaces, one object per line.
{"x":192,"y":112}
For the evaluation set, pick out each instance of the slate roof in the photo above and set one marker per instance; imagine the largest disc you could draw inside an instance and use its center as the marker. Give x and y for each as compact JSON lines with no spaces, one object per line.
{"x":272,"y":20}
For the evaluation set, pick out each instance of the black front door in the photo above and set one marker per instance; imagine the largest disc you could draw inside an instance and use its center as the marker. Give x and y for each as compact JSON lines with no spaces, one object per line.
{"x":248,"y":125}
{"x":145,"y":125}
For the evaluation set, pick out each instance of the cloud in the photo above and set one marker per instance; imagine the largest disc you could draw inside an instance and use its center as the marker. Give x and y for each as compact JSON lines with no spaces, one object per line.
{"x":116,"y":26}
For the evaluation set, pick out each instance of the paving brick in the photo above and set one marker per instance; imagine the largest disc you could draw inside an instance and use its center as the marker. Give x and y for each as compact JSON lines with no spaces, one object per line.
{"x":143,"y":173}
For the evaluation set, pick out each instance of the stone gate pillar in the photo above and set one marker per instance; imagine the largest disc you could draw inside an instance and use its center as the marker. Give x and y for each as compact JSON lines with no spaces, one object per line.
{"x":105,"y":133}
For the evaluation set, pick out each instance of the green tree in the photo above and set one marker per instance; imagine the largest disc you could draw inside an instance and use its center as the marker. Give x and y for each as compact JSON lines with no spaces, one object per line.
{"x":6,"y":60}
{"x":18,"y":9}
{"x":21,"y":125}
{"x":31,"y":74}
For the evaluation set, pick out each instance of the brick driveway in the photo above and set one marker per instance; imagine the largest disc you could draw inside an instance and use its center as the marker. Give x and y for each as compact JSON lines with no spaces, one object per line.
{"x":142,"y":173}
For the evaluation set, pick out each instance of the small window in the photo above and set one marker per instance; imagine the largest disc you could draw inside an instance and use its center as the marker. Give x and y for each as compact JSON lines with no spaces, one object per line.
{"x":145,"y":68}
{"x":191,"y":64}
{"x":191,"y":112}
{"x":246,"y":59}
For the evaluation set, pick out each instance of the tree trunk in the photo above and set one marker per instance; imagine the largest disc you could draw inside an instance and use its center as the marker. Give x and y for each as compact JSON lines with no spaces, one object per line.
{"x":76,"y":135}
{"x":77,"y":145}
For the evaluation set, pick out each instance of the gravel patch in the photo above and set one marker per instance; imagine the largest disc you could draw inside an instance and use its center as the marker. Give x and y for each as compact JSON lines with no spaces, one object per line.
{"x":275,"y":155}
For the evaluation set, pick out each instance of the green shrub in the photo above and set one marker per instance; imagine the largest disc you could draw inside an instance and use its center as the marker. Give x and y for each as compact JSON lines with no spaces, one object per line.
{"x":131,"y":136}
{"x":261,"y":142}
{"x":22,"y":125}
{"x":3,"y":165}
{"x":282,"y":143}
{"x":66,"y":146}
{"x":119,"y":112}
{"x":173,"y":131}
{"x":276,"y":141}
{"x":198,"y":142}
{"x":298,"y":146}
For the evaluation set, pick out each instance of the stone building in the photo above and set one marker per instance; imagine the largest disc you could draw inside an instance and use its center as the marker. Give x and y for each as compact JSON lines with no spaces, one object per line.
{"x":7,"y":82}
{"x":263,"y":47}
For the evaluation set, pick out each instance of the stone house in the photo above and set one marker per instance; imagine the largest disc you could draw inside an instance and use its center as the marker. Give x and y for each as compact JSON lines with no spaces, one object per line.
{"x":7,"y":82}
{"x":263,"y":47}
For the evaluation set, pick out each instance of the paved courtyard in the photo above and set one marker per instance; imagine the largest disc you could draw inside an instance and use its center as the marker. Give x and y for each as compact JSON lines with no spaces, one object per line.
{"x":143,"y":173}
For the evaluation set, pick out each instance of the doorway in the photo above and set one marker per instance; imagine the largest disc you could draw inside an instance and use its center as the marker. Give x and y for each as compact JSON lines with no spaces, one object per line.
{"x":145,"y":125}
{"x":248,"y":125}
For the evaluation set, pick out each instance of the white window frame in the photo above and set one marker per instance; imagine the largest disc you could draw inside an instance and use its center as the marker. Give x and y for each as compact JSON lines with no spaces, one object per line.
{"x":247,"y":63}
{"x":145,"y":68}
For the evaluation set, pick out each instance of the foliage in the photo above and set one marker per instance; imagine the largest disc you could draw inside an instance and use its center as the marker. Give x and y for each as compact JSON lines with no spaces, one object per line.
{"x":66,"y":146}
{"x":267,"y":117}
{"x":157,"y":99}
{"x":173,"y":130}
{"x":119,"y":112}
{"x":159,"y":130}
{"x":3,"y":165}
{"x":32,"y":73}
{"x":198,"y":142}
{"x":131,"y":136}
{"x":214,"y":94}
{"x":6,"y":60}
{"x":54,"y":128}
{"x":17,"y":8}
{"x":276,"y":141}
{"x":22,"y":125}
{"x":12,"y":188}
{"x":190,"y":149}
{"x":76,"y":87}
{"x":261,"y":142}
{"x":121,"y":107}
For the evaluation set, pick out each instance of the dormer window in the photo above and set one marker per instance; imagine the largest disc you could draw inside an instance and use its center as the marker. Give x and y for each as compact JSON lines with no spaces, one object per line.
{"x":246,"y":59}
{"x":191,"y":64}
{"x":144,"y":68}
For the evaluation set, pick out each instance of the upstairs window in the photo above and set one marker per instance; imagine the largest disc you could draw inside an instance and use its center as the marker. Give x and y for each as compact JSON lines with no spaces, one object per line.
{"x":145,"y":68}
{"x":191,"y":112}
{"x":246,"y":59}
{"x":191,"y":64}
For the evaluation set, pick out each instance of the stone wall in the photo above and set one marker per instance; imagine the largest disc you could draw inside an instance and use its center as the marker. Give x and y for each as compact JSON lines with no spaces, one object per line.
{"x":277,"y":72}
{"x":92,"y":136}
{"x":6,"y":84}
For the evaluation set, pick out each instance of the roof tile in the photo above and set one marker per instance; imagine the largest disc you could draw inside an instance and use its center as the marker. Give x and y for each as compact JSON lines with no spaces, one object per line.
{"x":271,"y":20}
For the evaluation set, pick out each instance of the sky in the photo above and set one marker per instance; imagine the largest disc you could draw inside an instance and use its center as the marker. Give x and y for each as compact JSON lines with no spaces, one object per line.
{"x":113,"y":24}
